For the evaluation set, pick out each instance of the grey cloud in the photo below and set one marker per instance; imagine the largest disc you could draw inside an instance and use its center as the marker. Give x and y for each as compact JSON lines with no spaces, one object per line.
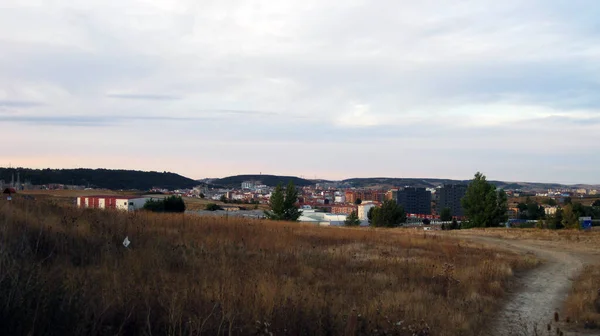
{"x":73,"y":69}
{"x":19,"y":103}
{"x":144,"y":96}
{"x":93,"y":121}
{"x":243,"y":112}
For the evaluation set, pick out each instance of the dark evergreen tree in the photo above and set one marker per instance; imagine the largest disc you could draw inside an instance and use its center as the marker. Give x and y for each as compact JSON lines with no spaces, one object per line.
{"x":390,"y":214}
{"x":446,"y":215}
{"x":352,"y":219}
{"x":283,"y":205}
{"x":484,"y":205}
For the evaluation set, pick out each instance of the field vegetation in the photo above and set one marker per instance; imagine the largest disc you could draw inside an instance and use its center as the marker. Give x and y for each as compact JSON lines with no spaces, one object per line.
{"x":582,"y":307}
{"x":577,"y":240}
{"x":583,"y":303}
{"x":65,"y":271}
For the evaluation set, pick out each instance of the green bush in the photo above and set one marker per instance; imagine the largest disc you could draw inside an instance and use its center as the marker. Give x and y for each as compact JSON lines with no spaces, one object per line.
{"x":212,"y":207}
{"x":169,"y":204}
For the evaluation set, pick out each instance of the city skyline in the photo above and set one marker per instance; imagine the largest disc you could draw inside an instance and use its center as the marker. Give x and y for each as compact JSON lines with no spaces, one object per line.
{"x":326,"y":89}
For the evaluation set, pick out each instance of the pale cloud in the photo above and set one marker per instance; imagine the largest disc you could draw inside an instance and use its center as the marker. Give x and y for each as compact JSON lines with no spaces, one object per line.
{"x":497,"y":86}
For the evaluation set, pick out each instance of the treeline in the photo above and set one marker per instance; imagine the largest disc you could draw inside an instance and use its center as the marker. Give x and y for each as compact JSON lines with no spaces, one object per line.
{"x":566,"y":214}
{"x":100,"y":178}
{"x":268,"y":180}
{"x":168,"y":204}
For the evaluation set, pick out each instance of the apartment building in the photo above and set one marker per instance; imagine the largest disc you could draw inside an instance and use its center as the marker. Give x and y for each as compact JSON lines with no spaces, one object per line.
{"x":450,"y":196}
{"x":415,"y":200}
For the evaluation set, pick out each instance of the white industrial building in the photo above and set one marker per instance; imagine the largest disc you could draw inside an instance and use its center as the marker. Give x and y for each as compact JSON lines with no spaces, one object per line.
{"x":321,"y":218}
{"x":127,"y":203}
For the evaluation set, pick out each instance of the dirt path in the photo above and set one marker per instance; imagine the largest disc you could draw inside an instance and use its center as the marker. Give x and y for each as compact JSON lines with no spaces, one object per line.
{"x":538,"y":293}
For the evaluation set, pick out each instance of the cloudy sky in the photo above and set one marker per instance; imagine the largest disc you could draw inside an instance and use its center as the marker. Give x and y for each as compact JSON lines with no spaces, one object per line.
{"x":315,"y":88}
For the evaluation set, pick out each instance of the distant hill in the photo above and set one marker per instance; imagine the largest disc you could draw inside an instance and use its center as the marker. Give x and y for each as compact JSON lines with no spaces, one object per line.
{"x":269,"y":180}
{"x":434,"y":182}
{"x":400,"y":182}
{"x":100,"y":178}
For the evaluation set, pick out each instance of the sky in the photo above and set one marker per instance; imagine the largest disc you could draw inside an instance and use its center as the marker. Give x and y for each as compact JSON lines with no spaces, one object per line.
{"x":315,"y":88}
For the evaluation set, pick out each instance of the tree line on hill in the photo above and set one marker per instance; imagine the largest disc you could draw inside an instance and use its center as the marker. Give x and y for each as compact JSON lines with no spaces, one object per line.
{"x":268,"y":180}
{"x":100,"y":178}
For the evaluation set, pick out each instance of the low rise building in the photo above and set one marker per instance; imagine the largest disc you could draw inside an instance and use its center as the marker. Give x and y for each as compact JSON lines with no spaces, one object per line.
{"x":321,"y":218}
{"x":343,"y":209}
{"x":363,"y":210}
{"x":118,"y":202}
{"x":550,"y":211}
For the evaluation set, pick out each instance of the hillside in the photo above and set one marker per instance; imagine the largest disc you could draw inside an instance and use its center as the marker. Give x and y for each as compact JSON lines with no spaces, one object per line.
{"x":434,"y":182}
{"x":100,"y":178}
{"x":399,"y":182}
{"x":269,"y":180}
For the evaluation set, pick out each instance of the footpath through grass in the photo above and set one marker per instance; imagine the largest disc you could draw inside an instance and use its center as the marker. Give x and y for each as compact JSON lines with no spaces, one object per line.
{"x":65,"y":271}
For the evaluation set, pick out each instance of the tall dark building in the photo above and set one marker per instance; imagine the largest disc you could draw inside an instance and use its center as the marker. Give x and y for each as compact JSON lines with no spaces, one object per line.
{"x":415,"y":200}
{"x":450,"y":196}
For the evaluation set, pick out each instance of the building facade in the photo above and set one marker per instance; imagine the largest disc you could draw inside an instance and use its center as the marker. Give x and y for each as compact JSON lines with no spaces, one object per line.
{"x":450,"y":196}
{"x":343,"y":209}
{"x":364,"y":195}
{"x":127,"y":203}
{"x":363,"y":210}
{"x":415,"y":200}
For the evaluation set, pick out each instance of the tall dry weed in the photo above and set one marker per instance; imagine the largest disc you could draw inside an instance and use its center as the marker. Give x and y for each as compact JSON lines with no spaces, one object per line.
{"x":64,"y":271}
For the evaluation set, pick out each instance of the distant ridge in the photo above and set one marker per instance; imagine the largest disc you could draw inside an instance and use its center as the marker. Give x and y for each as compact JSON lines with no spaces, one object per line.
{"x":269,"y":180}
{"x":100,"y":178}
{"x":273,"y":180}
{"x":435,"y":182}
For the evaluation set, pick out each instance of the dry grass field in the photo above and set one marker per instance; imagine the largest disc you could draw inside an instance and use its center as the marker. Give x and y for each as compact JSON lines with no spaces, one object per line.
{"x":65,"y":271}
{"x":575,"y":239}
{"x":68,"y":196}
{"x":583,"y":303}
{"x":582,"y":307}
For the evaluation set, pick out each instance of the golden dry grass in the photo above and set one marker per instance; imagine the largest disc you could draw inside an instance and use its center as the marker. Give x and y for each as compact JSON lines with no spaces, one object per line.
{"x":68,"y":196}
{"x":576,"y":239}
{"x":583,"y":304}
{"x":64,"y":271}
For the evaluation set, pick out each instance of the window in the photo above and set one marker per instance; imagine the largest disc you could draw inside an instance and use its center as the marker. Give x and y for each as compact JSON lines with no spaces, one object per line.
{"x":125,"y":203}
{"x":130,"y":203}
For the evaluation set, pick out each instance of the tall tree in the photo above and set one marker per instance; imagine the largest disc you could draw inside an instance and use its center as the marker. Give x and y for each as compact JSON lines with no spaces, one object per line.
{"x":569,"y":218}
{"x":446,"y":215}
{"x":352,"y":219}
{"x":283,"y":205}
{"x":370,"y":215}
{"x":484,"y":205}
{"x":291,"y":212}
{"x":276,"y":202}
{"x":555,"y":221}
{"x":390,"y":214}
